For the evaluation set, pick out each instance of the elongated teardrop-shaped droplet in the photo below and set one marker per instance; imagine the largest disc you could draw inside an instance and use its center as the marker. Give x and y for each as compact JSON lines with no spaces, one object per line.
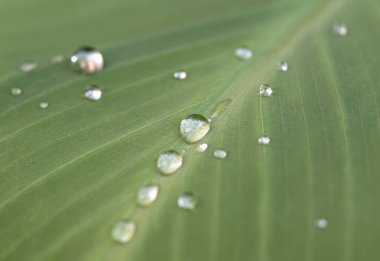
{"x":321,"y":223}
{"x":187,"y":201}
{"x":28,"y":66}
{"x":169,"y":162}
{"x":16,"y":91}
{"x":265,"y":90}
{"x":180,"y":75}
{"x":340,"y":29}
{"x":93,"y":93}
{"x":243,"y":53}
{"x":57,"y":59}
{"x":147,"y":195}
{"x":194,"y":127}
{"x":44,"y":105}
{"x":220,"y":154}
{"x":283,"y":66}
{"x":220,"y":107}
{"x":124,"y":231}
{"x":88,"y":60}
{"x":202,"y":147}
{"x":264,"y":140}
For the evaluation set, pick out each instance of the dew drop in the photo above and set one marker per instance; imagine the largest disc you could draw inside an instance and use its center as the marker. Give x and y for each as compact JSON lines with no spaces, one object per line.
{"x":87,"y":60}
{"x":180,"y":75}
{"x":243,"y":53}
{"x":93,"y":93}
{"x":44,"y":105}
{"x":283,"y":66}
{"x":187,"y":201}
{"x":16,"y":91}
{"x":264,"y":140}
{"x":28,"y":66}
{"x":194,"y":127}
{"x":321,"y":223}
{"x":220,"y":154}
{"x":265,"y":90}
{"x":124,"y":231}
{"x":169,"y":162}
{"x":340,"y":29}
{"x":57,"y":59}
{"x":147,"y":195}
{"x":220,"y":107}
{"x":202,"y":147}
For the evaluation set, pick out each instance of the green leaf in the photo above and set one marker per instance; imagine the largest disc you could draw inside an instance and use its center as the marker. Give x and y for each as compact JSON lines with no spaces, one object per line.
{"x":70,"y":172}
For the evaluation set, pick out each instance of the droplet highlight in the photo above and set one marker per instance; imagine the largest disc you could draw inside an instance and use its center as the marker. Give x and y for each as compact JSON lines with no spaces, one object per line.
{"x":265,"y":90}
{"x":28,"y":66}
{"x":194,"y":128}
{"x":264,"y":140}
{"x":243,"y":53}
{"x":283,"y":66}
{"x":169,"y":162}
{"x":187,"y":201}
{"x":180,"y":75}
{"x":88,"y":60}
{"x":321,"y":223}
{"x":16,"y":91}
{"x":202,"y":147}
{"x":43,"y":105}
{"x":93,"y":93}
{"x":220,"y":154}
{"x":340,"y":29}
{"x":147,"y":195}
{"x":124,"y":231}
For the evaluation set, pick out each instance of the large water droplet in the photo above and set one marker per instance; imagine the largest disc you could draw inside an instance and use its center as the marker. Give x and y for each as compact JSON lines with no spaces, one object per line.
{"x":194,"y":127}
{"x":202,"y":147}
{"x":124,"y":231}
{"x":44,"y":105}
{"x":88,"y":60}
{"x":243,"y":53}
{"x":93,"y":93}
{"x":169,"y":162}
{"x":28,"y":66}
{"x":283,"y":66}
{"x":340,"y":29}
{"x":187,"y":201}
{"x":57,"y":59}
{"x":220,"y":107}
{"x":147,"y":195}
{"x":265,"y":90}
{"x":220,"y":154}
{"x":180,"y":75}
{"x":321,"y":223}
{"x":264,"y":140}
{"x":16,"y":91}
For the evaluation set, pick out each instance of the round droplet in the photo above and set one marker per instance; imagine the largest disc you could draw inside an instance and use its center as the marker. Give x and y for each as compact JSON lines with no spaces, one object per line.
{"x":169,"y":162}
{"x":321,"y":223}
{"x":194,"y":127}
{"x":264,"y":140}
{"x":16,"y":91}
{"x":283,"y":66}
{"x":265,"y":90}
{"x":243,"y":53}
{"x":187,"y":201}
{"x":340,"y":29}
{"x":147,"y":195}
{"x":28,"y":66}
{"x":202,"y":147}
{"x":220,"y":154}
{"x":93,"y":93}
{"x":44,"y":105}
{"x":124,"y":231}
{"x":57,"y":59}
{"x":88,"y":60}
{"x":180,"y":75}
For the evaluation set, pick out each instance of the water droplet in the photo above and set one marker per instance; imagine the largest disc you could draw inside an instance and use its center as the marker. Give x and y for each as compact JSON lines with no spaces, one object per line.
{"x":220,"y":107}
{"x":16,"y":91}
{"x":169,"y":162}
{"x":220,"y":154}
{"x":202,"y":147}
{"x":28,"y":66}
{"x":57,"y":59}
{"x":180,"y":75}
{"x":194,"y":127}
{"x":124,"y":231}
{"x":265,"y":90}
{"x":88,"y":60}
{"x":147,"y":195}
{"x":264,"y":140}
{"x":321,"y":223}
{"x":187,"y":201}
{"x":44,"y":105}
{"x":243,"y":53}
{"x":283,"y":66}
{"x":93,"y":93}
{"x":340,"y":29}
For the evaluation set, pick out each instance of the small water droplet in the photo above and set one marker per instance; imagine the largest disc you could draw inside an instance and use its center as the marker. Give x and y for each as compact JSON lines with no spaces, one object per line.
{"x":321,"y":223}
{"x":340,"y":29}
{"x":264,"y":140}
{"x":180,"y":75}
{"x":220,"y":107}
{"x":220,"y":154}
{"x":147,"y":195}
{"x":169,"y":162}
{"x":57,"y":59}
{"x":194,"y":127}
{"x":124,"y":231}
{"x":243,"y":53}
{"x":44,"y":105}
{"x":202,"y":147}
{"x":265,"y":90}
{"x":16,"y":91}
{"x":28,"y":66}
{"x":93,"y":93}
{"x":187,"y":201}
{"x":88,"y":60}
{"x":283,"y":66}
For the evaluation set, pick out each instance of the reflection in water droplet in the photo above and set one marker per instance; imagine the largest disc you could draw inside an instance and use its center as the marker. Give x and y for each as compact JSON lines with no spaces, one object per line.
{"x":243,"y":53}
{"x":220,"y":107}
{"x":321,"y":223}
{"x":194,"y":127}
{"x":44,"y":105}
{"x":124,"y":231}
{"x":88,"y":60}
{"x":283,"y":66}
{"x":57,"y":59}
{"x":187,"y":201}
{"x":220,"y":154}
{"x":340,"y":29}
{"x":202,"y":147}
{"x":28,"y":66}
{"x":16,"y":91}
{"x":93,"y":93}
{"x":180,"y":75}
{"x":147,"y":195}
{"x":265,"y":90}
{"x":169,"y":162}
{"x":264,"y":140}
